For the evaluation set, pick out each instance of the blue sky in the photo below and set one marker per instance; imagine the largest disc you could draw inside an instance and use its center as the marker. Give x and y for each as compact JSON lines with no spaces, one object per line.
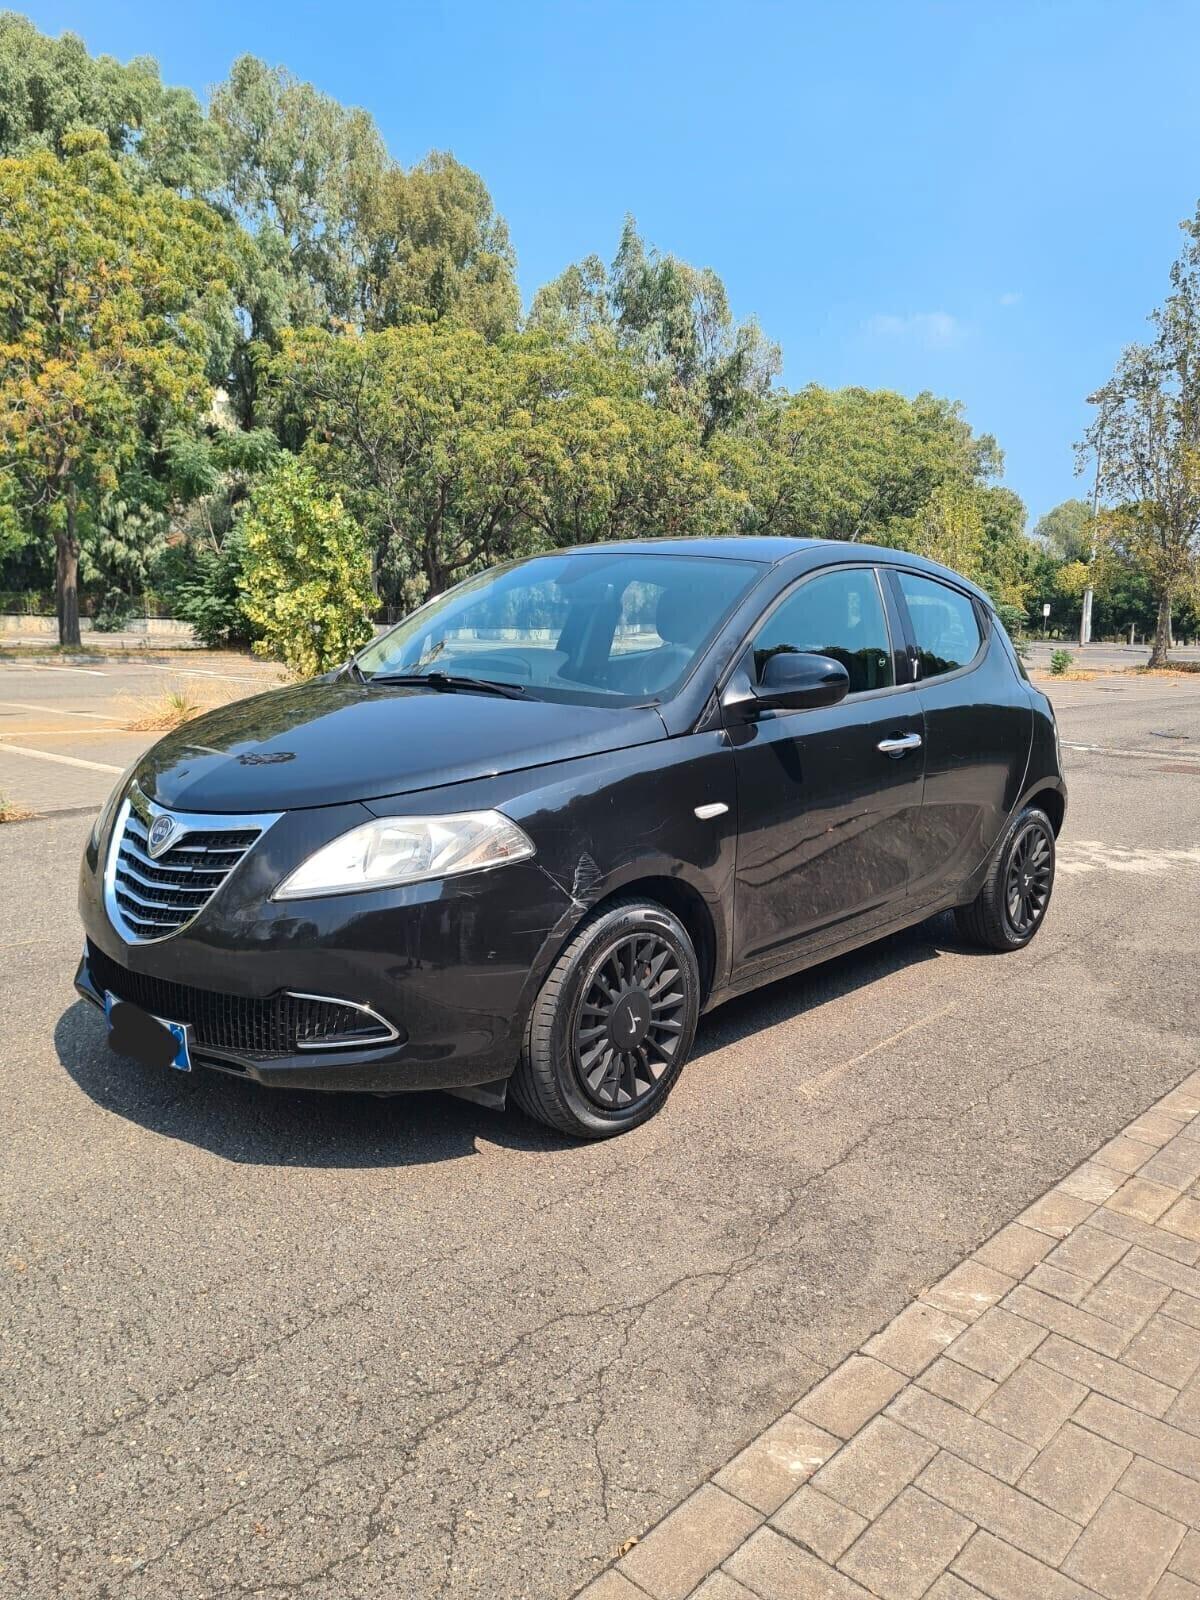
{"x":978,"y":199}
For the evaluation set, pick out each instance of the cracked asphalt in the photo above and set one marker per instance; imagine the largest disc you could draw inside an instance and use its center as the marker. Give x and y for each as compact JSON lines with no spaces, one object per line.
{"x":260,"y":1344}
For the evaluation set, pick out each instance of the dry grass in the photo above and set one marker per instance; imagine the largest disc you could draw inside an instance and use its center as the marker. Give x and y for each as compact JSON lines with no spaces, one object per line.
{"x":10,"y":811}
{"x":172,"y":707}
{"x":1173,"y":669}
{"x":1071,"y":676}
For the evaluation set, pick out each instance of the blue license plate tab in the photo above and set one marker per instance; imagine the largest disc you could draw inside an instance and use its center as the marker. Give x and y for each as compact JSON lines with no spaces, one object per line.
{"x":134,"y":1032}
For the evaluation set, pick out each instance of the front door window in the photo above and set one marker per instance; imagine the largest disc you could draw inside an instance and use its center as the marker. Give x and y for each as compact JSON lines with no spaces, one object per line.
{"x":839,"y":614}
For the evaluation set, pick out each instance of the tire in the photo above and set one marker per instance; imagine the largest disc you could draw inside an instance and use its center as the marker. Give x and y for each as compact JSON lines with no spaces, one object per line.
{"x":573,"y":1074}
{"x":1012,"y":904}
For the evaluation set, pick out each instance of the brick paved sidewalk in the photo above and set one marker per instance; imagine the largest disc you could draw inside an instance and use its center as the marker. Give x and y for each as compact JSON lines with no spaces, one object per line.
{"x":1028,"y":1429}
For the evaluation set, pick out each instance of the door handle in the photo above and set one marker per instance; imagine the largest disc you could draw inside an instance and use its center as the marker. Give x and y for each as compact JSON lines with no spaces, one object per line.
{"x":900,"y":746}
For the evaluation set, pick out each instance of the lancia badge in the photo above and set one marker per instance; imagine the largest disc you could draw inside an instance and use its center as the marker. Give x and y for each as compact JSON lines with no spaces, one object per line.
{"x":162,"y":833}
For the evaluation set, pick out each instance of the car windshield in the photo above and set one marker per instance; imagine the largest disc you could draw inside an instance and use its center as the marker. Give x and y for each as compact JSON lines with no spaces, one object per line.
{"x":591,"y":627}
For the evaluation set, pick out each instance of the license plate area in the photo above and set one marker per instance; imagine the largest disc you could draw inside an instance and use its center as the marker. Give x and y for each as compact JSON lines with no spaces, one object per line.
{"x":152,"y":1041}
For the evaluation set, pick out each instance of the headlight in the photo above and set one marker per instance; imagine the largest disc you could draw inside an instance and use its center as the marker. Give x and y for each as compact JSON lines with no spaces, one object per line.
{"x":398,"y":850}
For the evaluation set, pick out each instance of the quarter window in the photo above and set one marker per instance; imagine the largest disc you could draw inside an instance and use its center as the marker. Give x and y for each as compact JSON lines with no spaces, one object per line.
{"x":945,"y":627}
{"x":838,"y":614}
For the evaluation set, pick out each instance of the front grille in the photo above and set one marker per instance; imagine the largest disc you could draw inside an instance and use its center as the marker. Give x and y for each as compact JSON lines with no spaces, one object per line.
{"x":158,"y":897}
{"x":280,"y":1025}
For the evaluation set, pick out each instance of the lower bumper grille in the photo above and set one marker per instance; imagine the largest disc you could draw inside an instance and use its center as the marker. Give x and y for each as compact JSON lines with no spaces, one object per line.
{"x":283,"y":1024}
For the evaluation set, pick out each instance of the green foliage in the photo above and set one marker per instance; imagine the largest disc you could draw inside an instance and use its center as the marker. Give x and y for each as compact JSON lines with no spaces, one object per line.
{"x":1067,"y":530}
{"x":452,"y":452}
{"x":1061,"y":661}
{"x":108,"y":292}
{"x":113,"y":612}
{"x":342,"y":234}
{"x":306,"y":579}
{"x":948,"y":528}
{"x":204,"y":586}
{"x":673,"y":320}
{"x":850,"y":463}
{"x":51,"y":89}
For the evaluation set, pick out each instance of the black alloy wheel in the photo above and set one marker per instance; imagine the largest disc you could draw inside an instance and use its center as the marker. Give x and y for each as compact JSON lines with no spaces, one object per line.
{"x":613,"y":1023}
{"x":1030,"y":873}
{"x":1011,"y":905}
{"x":628,"y":1024}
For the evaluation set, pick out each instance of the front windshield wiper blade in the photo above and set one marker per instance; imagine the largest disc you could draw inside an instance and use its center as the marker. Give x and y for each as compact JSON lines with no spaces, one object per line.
{"x":448,"y":682}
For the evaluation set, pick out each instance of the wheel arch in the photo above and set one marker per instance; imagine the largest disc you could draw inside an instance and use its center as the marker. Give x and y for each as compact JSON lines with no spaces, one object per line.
{"x":1052,"y":799}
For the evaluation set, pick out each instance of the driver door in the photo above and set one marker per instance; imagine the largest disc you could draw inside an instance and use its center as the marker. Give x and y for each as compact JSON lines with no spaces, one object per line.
{"x":829,"y":798}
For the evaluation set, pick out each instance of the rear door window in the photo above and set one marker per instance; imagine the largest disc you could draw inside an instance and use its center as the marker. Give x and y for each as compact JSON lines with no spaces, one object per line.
{"x":944,"y":625}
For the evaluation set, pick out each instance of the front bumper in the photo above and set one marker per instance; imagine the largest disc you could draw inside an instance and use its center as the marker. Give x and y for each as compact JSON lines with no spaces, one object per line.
{"x":452,"y":966}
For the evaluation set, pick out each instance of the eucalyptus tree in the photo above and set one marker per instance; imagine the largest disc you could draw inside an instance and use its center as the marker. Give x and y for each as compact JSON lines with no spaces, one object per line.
{"x":52,"y":88}
{"x":673,"y":319}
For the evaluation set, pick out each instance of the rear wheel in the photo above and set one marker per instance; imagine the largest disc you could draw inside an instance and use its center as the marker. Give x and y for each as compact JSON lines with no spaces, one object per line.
{"x":1009,"y":909}
{"x":613,"y":1023}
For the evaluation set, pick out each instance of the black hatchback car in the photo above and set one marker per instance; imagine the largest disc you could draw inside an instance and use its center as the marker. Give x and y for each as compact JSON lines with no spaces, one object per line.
{"x":526,"y":837}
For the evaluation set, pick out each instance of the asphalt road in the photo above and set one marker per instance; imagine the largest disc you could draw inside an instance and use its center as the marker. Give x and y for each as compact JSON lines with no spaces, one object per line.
{"x":258,"y":1344}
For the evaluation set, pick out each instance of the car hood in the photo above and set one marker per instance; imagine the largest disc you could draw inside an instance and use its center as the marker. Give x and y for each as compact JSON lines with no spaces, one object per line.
{"x":325,"y":743}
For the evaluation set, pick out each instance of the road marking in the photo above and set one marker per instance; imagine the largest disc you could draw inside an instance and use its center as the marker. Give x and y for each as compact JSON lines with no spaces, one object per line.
{"x":54,"y":711}
{"x":1138,"y":755}
{"x":1093,"y":855}
{"x":66,"y":761}
{"x":67,"y":733}
{"x":208,"y":672}
{"x":813,"y":1086}
{"x":40,"y":666}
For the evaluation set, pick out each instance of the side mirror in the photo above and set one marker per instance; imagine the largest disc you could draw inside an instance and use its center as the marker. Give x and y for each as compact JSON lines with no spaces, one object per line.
{"x":794,"y":680}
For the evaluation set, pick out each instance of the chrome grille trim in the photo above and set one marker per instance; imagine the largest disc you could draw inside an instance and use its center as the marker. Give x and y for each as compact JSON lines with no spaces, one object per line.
{"x":391,"y":1031}
{"x":148,"y":900}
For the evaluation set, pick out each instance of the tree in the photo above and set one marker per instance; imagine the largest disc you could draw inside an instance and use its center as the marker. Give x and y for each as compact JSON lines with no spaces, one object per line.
{"x":948,"y":528}
{"x":1007,"y":557}
{"x":455,"y":453}
{"x":298,"y":168}
{"x":850,"y":463}
{"x":337,"y":234}
{"x":1146,"y":438}
{"x":110,"y":295}
{"x":51,"y":89}
{"x":306,"y":575}
{"x":674,"y":319}
{"x":435,"y":248}
{"x":1067,"y":530}
{"x":350,"y":235}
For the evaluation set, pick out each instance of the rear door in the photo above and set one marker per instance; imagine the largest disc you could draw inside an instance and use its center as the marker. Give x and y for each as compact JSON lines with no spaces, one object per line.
{"x":978,"y":724}
{"x":828,"y":799}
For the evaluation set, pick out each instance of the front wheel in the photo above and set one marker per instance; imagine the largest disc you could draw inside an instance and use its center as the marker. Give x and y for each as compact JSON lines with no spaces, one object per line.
{"x":613,"y":1023}
{"x":1008,"y":910}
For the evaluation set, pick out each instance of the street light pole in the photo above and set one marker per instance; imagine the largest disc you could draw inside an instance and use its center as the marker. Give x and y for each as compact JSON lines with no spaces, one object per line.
{"x":1085,"y":616}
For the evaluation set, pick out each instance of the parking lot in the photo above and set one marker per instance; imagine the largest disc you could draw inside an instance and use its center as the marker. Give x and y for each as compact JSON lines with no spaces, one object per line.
{"x":270,"y":1344}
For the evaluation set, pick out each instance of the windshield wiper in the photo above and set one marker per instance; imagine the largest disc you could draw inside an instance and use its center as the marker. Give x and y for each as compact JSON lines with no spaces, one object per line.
{"x":352,"y":670}
{"x":448,"y":682}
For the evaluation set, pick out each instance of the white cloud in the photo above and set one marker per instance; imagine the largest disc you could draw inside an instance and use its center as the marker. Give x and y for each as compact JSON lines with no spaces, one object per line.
{"x":1011,"y":297}
{"x":936,"y":330}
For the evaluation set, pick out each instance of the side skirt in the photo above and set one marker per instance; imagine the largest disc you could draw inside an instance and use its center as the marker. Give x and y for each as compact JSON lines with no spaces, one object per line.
{"x":801,"y":959}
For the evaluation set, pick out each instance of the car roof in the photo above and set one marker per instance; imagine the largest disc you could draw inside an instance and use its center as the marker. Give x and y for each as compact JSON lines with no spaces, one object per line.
{"x":770,"y":549}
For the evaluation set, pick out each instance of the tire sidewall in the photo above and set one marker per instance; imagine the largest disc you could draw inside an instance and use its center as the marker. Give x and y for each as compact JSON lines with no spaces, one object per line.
{"x":622,"y":920}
